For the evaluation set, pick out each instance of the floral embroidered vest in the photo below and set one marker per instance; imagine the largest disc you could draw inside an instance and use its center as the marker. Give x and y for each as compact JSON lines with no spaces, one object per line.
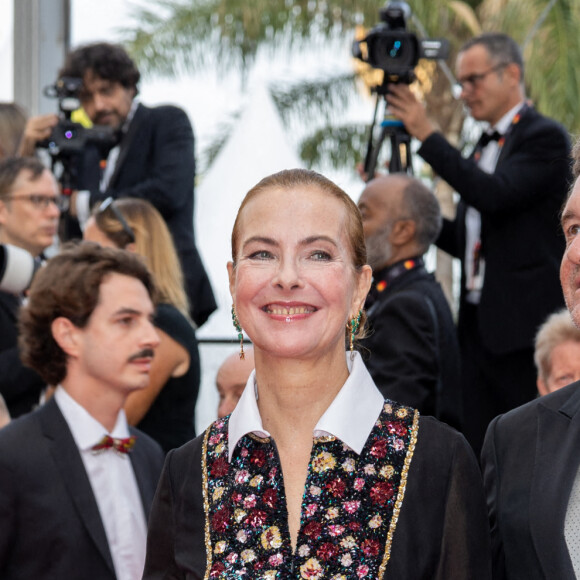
{"x":349,"y":512}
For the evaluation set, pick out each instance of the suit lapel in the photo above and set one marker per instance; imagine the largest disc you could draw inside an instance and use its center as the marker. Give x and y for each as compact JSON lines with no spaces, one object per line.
{"x":556,"y":463}
{"x":127,"y":141}
{"x":510,"y":140}
{"x":139,"y":461}
{"x":68,"y":460}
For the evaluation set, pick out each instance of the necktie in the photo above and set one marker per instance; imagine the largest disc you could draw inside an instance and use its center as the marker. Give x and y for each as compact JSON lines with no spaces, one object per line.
{"x":487,"y":137}
{"x":118,"y":445}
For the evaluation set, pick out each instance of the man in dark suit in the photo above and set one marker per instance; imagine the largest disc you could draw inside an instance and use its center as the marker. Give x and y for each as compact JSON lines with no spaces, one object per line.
{"x":154,"y":159}
{"x":531,"y":460}
{"x":73,"y":502}
{"x":506,"y":229}
{"x":412,"y":355}
{"x":29,"y":215}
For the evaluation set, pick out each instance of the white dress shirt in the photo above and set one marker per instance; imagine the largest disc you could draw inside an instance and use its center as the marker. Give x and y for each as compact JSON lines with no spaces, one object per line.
{"x":114,"y":486}
{"x":487,"y":162}
{"x":350,"y":417}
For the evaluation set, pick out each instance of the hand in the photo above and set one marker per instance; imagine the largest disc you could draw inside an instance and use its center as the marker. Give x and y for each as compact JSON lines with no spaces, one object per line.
{"x":404,"y":105}
{"x":37,"y":129}
{"x":72,"y":203}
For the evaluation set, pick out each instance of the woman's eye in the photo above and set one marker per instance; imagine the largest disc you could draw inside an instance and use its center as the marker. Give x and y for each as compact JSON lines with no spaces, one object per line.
{"x":320,"y":255}
{"x":261,"y":255}
{"x":573,"y":230}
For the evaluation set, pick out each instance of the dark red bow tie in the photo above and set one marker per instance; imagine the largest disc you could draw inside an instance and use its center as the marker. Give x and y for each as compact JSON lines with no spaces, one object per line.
{"x":119,"y":445}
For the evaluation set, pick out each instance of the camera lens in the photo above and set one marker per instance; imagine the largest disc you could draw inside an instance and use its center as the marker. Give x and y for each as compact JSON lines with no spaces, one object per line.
{"x":395,"y":49}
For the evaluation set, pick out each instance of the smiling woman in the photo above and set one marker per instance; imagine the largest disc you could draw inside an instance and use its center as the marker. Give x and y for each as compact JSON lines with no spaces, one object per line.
{"x":314,"y":474}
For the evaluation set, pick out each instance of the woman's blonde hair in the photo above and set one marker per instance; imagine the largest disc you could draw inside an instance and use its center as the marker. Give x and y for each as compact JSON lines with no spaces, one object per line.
{"x":12,"y":125}
{"x":152,"y":241}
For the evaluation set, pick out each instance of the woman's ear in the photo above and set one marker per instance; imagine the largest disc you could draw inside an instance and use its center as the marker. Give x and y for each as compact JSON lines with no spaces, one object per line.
{"x":131,"y":248}
{"x":232,"y":278}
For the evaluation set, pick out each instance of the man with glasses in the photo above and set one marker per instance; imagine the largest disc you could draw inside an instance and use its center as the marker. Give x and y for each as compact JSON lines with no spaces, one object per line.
{"x":505,"y":231}
{"x":29,"y":214}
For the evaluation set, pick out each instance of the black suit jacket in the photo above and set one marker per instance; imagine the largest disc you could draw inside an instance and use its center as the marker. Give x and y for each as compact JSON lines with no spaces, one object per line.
{"x":441,"y":533}
{"x":521,"y":238}
{"x":530,"y":459}
{"x":411,"y":351}
{"x":50,"y":526}
{"x":156,"y":163}
{"x":19,"y":385}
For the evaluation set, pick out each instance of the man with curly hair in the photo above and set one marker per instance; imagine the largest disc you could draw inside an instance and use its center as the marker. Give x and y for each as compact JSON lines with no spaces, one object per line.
{"x":154,"y":159}
{"x":77,"y":483}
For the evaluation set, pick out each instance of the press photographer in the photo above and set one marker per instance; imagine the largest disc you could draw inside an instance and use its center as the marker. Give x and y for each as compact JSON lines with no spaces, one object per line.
{"x":506,"y":231}
{"x":29,"y":213}
{"x":153,"y":160}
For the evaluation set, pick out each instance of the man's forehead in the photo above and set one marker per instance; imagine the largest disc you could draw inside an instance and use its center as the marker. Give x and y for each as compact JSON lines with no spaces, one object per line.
{"x":26,"y":177}
{"x":572,"y":206}
{"x":124,"y":293}
{"x":93,"y":80}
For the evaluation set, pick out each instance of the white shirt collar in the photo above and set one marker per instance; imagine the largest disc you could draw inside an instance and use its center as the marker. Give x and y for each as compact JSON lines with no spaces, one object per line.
{"x":85,"y":429}
{"x":504,"y":123}
{"x":350,"y":417}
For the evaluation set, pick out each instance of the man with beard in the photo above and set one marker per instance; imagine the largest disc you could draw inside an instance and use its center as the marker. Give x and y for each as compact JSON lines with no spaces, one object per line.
{"x":531,"y":459}
{"x":154,"y":159}
{"x":413,"y":354}
{"x":77,"y":483}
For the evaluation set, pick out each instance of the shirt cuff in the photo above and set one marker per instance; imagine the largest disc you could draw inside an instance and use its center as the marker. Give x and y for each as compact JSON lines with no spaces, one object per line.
{"x":83,"y":207}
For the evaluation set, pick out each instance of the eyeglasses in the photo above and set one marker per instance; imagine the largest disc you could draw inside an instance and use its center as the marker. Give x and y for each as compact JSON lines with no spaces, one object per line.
{"x":471,"y":81}
{"x":40,"y":202}
{"x":109,"y":204}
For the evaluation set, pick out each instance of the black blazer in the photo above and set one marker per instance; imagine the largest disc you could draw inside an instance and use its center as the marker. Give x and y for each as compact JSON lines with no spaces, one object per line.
{"x":521,"y":238}
{"x":19,"y":385}
{"x":50,"y":526}
{"x":441,"y":534}
{"x":156,"y":163}
{"x":411,"y":350}
{"x":530,"y":459}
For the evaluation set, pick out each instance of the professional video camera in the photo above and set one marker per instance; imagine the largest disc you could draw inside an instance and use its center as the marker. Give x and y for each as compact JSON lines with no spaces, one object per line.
{"x":69,"y":139}
{"x":390,"y":47}
{"x":17,"y":268}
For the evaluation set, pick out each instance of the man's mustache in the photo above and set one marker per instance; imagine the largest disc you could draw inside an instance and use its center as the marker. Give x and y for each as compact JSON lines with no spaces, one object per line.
{"x":145,"y":353}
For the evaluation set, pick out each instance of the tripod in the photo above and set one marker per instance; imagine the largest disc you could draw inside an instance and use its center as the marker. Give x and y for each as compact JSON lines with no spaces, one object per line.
{"x":394,"y":130}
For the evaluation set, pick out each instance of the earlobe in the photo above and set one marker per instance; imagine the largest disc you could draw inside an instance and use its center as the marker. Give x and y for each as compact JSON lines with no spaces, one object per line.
{"x":65,"y":333}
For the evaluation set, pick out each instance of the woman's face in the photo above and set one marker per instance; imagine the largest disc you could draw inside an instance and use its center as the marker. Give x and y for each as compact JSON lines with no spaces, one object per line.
{"x":92,"y":233}
{"x":294,"y":286}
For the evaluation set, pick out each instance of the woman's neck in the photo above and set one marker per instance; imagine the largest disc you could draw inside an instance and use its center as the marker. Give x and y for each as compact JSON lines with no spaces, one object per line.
{"x":294,"y":394}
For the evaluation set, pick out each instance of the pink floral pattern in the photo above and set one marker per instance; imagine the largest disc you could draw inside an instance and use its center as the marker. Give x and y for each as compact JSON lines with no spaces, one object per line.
{"x":347,"y":506}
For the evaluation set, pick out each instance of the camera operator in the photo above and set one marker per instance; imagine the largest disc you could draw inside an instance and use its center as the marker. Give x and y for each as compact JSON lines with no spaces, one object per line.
{"x":29,"y":213}
{"x":154,"y":159}
{"x":506,"y":231}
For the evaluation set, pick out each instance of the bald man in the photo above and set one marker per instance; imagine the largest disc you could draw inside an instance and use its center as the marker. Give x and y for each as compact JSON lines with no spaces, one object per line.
{"x":412,"y":346}
{"x":231,"y":380}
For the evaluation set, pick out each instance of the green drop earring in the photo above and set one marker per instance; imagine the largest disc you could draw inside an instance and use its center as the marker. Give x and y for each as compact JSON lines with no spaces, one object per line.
{"x":238,"y":327}
{"x":354,"y":326}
